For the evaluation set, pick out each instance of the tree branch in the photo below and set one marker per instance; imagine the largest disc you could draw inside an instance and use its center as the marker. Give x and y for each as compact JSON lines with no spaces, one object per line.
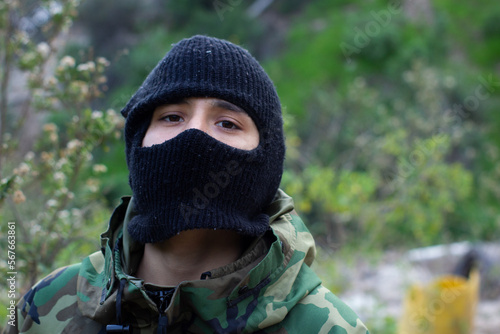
{"x":6,"y":64}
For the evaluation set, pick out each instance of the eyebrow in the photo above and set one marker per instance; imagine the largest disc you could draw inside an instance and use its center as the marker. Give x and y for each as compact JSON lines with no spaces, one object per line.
{"x":217,"y":103}
{"x":227,"y":105}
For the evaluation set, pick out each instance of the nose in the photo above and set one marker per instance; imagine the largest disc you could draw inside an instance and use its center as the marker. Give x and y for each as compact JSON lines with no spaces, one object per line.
{"x":199,"y":121}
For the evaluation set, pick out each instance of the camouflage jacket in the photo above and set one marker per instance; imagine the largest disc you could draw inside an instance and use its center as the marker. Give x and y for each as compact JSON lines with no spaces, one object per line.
{"x":270,"y":289}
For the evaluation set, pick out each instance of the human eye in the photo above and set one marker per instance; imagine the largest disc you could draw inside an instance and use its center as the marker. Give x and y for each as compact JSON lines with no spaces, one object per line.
{"x":172,"y":118}
{"x":227,"y":125}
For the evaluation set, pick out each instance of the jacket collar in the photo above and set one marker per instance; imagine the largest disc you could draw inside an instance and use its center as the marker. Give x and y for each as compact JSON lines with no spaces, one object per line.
{"x":237,"y":285}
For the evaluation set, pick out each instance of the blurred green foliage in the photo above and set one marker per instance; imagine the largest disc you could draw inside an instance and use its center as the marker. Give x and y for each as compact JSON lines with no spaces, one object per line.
{"x":403,"y":112}
{"x":391,"y":108}
{"x":49,"y":183}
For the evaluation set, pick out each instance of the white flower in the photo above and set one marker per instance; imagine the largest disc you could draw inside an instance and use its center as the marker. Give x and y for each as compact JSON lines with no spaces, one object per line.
{"x":82,"y":67}
{"x":59,"y":176}
{"x":35,"y":228}
{"x":63,"y":214}
{"x":52,"y":81}
{"x":98,"y":168}
{"x":61,"y":162}
{"x":51,"y":203}
{"x":74,"y":144}
{"x":96,"y":114}
{"x":29,"y":156}
{"x":67,"y":61}
{"x":92,"y":185}
{"x":55,"y":8}
{"x":102,"y":61}
{"x":23,"y":169}
{"x":88,"y":66}
{"x":43,"y":49}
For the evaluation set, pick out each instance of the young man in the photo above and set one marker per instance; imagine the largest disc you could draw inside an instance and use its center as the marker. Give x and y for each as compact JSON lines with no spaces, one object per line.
{"x":208,"y":243}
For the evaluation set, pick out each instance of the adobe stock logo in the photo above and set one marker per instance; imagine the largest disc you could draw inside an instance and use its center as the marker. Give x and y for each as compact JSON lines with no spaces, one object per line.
{"x":454,"y":116}
{"x":222,"y":6}
{"x":218,"y":182}
{"x":363,"y":38}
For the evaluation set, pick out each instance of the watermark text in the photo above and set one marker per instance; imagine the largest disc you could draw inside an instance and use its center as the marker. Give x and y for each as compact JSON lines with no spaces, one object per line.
{"x":11,"y":273}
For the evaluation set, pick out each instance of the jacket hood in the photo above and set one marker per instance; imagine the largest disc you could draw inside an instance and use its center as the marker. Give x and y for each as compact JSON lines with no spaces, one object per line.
{"x":255,"y":292}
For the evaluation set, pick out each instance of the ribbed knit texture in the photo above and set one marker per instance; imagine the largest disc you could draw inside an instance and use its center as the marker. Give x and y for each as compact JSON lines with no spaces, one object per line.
{"x":164,"y":178}
{"x":194,"y":181}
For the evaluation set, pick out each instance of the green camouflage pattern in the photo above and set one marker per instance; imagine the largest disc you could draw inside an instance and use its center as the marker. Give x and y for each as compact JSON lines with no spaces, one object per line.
{"x":270,"y":290}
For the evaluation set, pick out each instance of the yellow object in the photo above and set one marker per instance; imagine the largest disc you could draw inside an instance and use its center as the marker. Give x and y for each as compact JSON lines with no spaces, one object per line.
{"x":446,"y":306}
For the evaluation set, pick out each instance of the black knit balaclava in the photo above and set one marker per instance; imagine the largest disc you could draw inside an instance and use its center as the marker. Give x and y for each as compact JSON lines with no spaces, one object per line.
{"x":194,"y":181}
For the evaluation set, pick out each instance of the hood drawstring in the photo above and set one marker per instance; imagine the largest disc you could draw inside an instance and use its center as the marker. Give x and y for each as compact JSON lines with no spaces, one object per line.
{"x":162,"y":324}
{"x":119,"y":328}
{"x":162,"y":299}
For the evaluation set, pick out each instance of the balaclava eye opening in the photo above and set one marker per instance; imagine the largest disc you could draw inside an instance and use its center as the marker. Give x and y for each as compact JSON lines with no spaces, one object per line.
{"x":192,"y":180}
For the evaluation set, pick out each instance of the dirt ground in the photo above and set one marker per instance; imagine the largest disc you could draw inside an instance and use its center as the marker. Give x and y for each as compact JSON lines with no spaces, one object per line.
{"x":376,"y":289}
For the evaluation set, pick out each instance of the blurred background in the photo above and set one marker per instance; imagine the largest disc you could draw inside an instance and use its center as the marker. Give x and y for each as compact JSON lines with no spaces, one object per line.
{"x":392,"y":124}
